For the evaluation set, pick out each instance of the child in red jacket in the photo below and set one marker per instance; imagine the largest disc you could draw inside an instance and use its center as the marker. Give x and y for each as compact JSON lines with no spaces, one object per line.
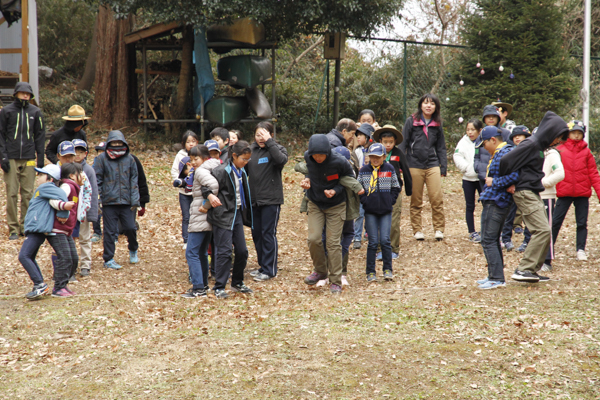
{"x":580,"y":175}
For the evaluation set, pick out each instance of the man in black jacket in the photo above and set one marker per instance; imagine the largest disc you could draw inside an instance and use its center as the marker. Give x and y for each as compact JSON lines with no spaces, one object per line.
{"x":75,"y":121}
{"x":22,"y":138}
{"x":326,"y":208}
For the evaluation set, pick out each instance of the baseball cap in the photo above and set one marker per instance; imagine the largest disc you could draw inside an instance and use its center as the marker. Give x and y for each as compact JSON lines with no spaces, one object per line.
{"x":100,"y":146}
{"x":343,"y":151}
{"x":51,"y":169}
{"x":489,"y":132}
{"x":66,"y":148}
{"x":212,"y":145}
{"x":575,"y":125}
{"x":182,"y":163}
{"x":376,"y":149}
{"x":79,"y":143}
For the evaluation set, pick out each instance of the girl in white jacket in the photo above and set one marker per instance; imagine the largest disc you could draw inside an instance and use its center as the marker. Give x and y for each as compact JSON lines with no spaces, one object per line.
{"x":463,"y":159}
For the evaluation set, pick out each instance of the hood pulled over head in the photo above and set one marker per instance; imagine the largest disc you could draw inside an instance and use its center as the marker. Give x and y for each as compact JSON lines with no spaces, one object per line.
{"x":319,"y":144}
{"x":551,"y":127}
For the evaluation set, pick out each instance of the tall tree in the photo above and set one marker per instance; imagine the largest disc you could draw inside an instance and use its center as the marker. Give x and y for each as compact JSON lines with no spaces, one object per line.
{"x":523,"y":38}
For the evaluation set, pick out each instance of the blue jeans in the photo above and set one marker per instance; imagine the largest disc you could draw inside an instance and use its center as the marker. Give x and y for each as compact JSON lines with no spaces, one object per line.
{"x":185,"y":203}
{"x":378,"y":228}
{"x":196,"y":255}
{"x":492,"y":222}
{"x":27,"y":255}
{"x":358,"y":225}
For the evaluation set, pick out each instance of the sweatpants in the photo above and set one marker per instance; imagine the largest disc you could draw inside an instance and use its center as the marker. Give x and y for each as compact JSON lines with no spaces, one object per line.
{"x":66,"y":259}
{"x":20,"y":179}
{"x":264,"y":235}
{"x":469,"y":189}
{"x":433,"y":180}
{"x":224,"y":239}
{"x":534,"y":215}
{"x":582,"y":205}
{"x":112,"y":215}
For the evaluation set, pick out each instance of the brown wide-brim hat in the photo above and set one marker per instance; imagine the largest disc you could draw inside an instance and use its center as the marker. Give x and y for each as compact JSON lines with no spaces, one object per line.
{"x":76,"y":113}
{"x":505,"y":107}
{"x":388,"y":128}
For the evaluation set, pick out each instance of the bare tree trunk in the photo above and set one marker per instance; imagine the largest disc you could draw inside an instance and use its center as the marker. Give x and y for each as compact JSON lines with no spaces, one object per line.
{"x":179,"y":103}
{"x":111,"y":104}
{"x":297,"y":59}
{"x":87,"y":80}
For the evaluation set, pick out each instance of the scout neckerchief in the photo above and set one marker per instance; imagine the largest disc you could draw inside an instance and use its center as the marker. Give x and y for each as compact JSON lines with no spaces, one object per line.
{"x":501,"y":145}
{"x":238,"y":173}
{"x":373,"y":182}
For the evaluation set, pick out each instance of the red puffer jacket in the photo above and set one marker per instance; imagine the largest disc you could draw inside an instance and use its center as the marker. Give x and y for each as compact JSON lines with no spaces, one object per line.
{"x":580,"y":170}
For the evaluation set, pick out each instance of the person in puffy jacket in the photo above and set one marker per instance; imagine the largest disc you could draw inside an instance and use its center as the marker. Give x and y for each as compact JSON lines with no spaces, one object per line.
{"x":22,"y":136}
{"x":581,"y":174}
{"x":425,"y":148}
{"x":117,"y":178}
{"x":264,"y":178}
{"x":464,"y":161}
{"x":199,"y":229}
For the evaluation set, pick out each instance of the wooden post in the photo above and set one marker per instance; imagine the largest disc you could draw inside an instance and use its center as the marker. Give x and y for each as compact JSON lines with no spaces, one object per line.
{"x":24,"y":41}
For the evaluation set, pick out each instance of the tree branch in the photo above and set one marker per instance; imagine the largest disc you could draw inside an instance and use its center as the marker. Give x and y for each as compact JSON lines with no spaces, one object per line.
{"x":297,"y":59}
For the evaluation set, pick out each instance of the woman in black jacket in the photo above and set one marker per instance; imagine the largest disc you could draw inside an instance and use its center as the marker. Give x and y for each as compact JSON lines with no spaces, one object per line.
{"x":425,"y":148}
{"x":264,"y":177}
{"x":231,"y":210}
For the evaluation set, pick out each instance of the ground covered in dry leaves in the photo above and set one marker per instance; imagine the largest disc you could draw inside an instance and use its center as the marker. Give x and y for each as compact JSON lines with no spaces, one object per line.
{"x":428,"y":334}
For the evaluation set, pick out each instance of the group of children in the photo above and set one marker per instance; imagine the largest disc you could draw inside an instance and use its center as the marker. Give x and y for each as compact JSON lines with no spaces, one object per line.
{"x":539,"y":174}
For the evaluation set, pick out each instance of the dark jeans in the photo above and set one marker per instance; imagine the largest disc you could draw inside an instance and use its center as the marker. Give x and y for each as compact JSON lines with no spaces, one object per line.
{"x":66,"y":259}
{"x":112,"y":216}
{"x":96,"y":225}
{"x":507,"y":230}
{"x":264,"y":235}
{"x":27,"y":255}
{"x":224,"y":239}
{"x":469,"y":188}
{"x":378,"y":228}
{"x":196,"y":255}
{"x":185,"y":202}
{"x":582,"y":205}
{"x":492,"y":221}
{"x":358,"y":225}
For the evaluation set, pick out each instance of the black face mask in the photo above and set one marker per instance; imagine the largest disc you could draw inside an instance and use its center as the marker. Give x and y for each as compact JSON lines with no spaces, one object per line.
{"x":24,"y":103}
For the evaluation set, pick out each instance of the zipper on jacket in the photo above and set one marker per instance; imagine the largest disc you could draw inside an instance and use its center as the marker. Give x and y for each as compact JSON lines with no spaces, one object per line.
{"x":21,"y":149}
{"x":27,"y":118}
{"x":234,"y":198}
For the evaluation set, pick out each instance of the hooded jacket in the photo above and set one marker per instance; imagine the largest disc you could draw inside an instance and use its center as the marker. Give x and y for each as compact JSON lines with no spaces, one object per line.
{"x":117,"y":179}
{"x":264,"y":173}
{"x":424,"y":146}
{"x":40,"y":215}
{"x":66,"y":132}
{"x":224,"y":215}
{"x":142,"y":183}
{"x":175,"y":169}
{"x":581,"y":172}
{"x":92,"y":213}
{"x":22,"y":132}
{"x":464,"y":159}
{"x":554,"y":172}
{"x":326,"y":175}
{"x":528,"y":156}
{"x":202,"y":177}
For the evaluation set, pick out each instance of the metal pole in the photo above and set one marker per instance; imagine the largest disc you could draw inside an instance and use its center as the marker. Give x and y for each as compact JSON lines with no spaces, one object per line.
{"x":145,"y":79}
{"x":336,"y":93}
{"x":585,"y":91}
{"x":327,"y":69}
{"x":404,"y":84}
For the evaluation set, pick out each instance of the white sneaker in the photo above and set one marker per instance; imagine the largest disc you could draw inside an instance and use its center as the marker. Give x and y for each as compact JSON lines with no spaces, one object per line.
{"x":439,"y":235}
{"x":323,"y":282}
{"x":344,"y":281}
{"x":581,"y":256}
{"x":419,"y":236}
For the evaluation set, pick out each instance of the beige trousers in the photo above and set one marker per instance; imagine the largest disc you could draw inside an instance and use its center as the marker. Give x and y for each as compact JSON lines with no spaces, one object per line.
{"x":333,"y":219}
{"x":432,"y":178}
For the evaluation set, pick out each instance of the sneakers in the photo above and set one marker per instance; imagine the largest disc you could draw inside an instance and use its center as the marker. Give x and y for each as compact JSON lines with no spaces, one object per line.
{"x":38,"y":291}
{"x":492,"y":285}
{"x":323,"y":282}
{"x":509,"y":246}
{"x":581,"y":256}
{"x":542,"y":278}
{"x":262,"y":277}
{"x":241,"y":288}
{"x":13,"y":236}
{"x":64,"y":292}
{"x":84,"y":272}
{"x":371,"y":277}
{"x":522,"y":247}
{"x":254,"y":272}
{"x":525,"y":276}
{"x":546,"y":267}
{"x":95,"y":238}
{"x":345,"y":281}
{"x":133,"y":257}
{"x":335,"y":289}
{"x":112,"y":264}
{"x":420,"y":236}
{"x":394,"y":255}
{"x":314,"y":278}
{"x":379,"y":256}
{"x":221,"y":294}
{"x":388,"y":275}
{"x":439,"y":235}
{"x":518,"y":230}
{"x":70,"y":291}
{"x":73,"y":279}
{"x":482,"y":281}
{"x":475,"y":237}
{"x":356,"y":245}
{"x":194,"y":293}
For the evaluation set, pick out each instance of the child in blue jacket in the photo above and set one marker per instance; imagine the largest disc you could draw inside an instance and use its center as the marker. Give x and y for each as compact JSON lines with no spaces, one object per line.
{"x":39,"y":222}
{"x":382,"y":188}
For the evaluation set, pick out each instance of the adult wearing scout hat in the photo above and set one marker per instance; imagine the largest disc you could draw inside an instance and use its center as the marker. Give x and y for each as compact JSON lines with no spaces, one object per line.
{"x":75,"y":121}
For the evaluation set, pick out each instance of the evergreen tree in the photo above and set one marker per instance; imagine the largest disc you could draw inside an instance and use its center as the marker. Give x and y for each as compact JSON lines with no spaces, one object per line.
{"x":525,"y":38}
